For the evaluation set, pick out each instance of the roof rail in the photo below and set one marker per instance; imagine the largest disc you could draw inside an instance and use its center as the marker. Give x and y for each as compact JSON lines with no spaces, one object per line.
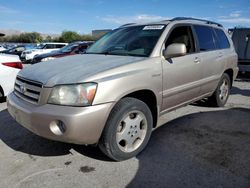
{"x":196,"y":19}
{"x":127,"y":24}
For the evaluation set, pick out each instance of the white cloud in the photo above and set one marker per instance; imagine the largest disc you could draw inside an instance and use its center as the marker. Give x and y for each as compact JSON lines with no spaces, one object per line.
{"x":131,"y":19}
{"x":6,"y":10}
{"x":235,"y":14}
{"x":234,"y":18}
{"x":238,"y":20}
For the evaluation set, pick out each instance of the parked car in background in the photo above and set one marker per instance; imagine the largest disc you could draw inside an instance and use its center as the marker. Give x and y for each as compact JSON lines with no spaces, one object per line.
{"x":115,"y":93}
{"x":17,"y":50}
{"x":71,"y":49}
{"x":28,"y":55}
{"x":2,"y":48}
{"x":241,"y":40}
{"x":9,"y":67}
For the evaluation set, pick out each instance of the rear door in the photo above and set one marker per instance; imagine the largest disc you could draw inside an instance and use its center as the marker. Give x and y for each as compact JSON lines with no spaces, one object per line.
{"x":211,"y":58}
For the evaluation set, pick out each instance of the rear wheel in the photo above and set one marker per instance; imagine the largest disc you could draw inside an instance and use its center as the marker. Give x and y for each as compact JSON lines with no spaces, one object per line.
{"x":221,"y":94}
{"x":127,"y":130}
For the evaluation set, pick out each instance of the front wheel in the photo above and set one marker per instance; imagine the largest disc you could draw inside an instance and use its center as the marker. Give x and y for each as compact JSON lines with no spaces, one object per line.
{"x":221,"y":94}
{"x":127,"y":130}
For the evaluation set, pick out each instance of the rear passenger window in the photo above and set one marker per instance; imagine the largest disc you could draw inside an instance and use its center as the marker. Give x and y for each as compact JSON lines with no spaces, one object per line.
{"x":205,"y":37}
{"x":222,"y":39}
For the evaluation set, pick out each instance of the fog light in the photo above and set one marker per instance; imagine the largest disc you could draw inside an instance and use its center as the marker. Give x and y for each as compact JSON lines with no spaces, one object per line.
{"x":57,"y":127}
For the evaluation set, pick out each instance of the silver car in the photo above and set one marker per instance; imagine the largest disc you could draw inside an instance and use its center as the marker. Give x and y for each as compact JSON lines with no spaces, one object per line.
{"x":114,"y":94}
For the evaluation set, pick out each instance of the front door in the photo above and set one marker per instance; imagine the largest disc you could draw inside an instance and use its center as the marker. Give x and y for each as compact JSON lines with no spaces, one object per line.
{"x":181,"y":75}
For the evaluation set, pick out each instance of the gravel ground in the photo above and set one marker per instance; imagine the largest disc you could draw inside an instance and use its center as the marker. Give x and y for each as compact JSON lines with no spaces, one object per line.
{"x":199,"y":147}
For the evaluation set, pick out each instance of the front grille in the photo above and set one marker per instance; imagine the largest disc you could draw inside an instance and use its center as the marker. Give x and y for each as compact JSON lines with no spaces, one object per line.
{"x":28,"y":90}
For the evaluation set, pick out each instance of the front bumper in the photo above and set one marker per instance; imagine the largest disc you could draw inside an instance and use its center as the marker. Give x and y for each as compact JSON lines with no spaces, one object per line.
{"x":83,"y":125}
{"x":27,"y":57}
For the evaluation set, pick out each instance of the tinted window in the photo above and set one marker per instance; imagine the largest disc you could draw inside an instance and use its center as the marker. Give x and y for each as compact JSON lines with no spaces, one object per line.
{"x":59,"y":45}
{"x":205,"y":37}
{"x":49,"y":46}
{"x":222,"y":39}
{"x":182,"y":34}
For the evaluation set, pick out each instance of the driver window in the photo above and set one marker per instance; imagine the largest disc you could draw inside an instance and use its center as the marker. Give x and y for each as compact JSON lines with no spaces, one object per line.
{"x":182,"y":34}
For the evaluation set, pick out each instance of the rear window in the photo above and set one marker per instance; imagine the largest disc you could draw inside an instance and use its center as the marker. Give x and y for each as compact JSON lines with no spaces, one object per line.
{"x":205,"y":37}
{"x":222,"y":39}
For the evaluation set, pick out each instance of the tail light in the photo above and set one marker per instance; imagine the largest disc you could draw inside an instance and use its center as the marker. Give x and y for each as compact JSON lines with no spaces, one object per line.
{"x":17,"y":65}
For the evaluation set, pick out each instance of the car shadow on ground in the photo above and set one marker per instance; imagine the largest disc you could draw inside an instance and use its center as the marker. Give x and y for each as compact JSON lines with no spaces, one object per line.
{"x":197,"y":150}
{"x":203,"y":149}
{"x":20,"y":139}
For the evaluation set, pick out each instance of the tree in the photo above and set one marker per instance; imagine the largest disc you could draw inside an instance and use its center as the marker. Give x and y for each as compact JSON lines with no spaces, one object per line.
{"x":69,"y":36}
{"x":33,"y":37}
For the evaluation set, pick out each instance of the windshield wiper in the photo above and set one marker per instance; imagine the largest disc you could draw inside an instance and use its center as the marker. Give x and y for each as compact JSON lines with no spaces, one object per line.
{"x":101,"y":53}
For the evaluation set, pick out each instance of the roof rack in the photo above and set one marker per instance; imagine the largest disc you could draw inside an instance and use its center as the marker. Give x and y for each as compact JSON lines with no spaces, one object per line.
{"x":196,"y":19}
{"x":127,"y":24}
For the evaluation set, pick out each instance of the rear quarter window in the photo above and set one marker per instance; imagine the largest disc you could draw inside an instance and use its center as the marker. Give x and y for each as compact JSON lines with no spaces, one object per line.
{"x":59,"y":45}
{"x":49,"y":46}
{"x":205,"y":37}
{"x":222,"y":39}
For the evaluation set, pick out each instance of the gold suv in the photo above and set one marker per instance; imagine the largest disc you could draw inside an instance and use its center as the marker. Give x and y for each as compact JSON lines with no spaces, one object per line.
{"x":114,"y":94}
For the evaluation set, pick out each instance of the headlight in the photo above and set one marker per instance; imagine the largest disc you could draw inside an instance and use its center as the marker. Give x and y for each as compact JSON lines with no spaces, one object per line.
{"x":28,"y":52}
{"x":73,"y":95}
{"x":47,"y":58}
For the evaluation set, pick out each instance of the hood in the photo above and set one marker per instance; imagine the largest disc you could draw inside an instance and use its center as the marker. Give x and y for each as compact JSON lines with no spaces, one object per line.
{"x":74,"y":69}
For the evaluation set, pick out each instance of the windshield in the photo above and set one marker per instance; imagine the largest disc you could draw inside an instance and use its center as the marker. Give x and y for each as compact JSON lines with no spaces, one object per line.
{"x":68,"y":48}
{"x":133,"y":41}
{"x":40,"y":46}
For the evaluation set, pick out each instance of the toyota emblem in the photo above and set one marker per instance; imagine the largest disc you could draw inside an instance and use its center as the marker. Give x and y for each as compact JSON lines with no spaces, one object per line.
{"x":23,"y":88}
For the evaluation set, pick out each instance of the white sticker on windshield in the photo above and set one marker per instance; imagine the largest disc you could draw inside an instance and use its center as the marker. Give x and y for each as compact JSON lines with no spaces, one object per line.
{"x":153,"y":27}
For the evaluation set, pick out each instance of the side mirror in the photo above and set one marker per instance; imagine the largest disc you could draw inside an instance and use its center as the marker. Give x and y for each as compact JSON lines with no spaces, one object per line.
{"x":175,"y":50}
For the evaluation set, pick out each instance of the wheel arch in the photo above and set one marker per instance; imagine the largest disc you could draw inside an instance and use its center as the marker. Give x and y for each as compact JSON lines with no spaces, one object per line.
{"x":149,"y":98}
{"x":230,"y":73}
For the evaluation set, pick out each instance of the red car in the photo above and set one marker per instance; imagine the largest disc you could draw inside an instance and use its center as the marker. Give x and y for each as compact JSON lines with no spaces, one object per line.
{"x":70,"y":49}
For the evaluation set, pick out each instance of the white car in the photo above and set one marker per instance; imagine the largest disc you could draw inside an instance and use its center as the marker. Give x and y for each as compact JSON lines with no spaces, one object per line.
{"x":2,"y":48}
{"x":10,"y":65}
{"x":28,"y":55}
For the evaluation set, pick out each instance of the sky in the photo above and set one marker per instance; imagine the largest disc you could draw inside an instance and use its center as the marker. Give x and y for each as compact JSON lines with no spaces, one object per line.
{"x":83,"y":16}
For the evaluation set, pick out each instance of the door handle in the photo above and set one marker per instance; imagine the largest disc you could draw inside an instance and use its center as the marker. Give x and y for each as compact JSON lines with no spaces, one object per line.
{"x":196,"y":60}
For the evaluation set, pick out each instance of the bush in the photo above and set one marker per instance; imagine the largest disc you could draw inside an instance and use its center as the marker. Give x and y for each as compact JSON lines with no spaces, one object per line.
{"x":34,"y":37}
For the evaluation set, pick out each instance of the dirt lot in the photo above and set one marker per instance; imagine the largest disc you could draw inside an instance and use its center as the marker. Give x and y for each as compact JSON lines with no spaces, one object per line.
{"x":199,"y":147}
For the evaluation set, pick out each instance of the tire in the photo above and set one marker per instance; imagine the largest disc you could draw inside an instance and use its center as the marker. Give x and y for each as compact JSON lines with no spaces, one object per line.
{"x":1,"y":92}
{"x":127,"y":130}
{"x":222,"y":92}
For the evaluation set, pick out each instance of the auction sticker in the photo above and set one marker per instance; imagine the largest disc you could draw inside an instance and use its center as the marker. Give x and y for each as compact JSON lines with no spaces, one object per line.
{"x":153,"y":27}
